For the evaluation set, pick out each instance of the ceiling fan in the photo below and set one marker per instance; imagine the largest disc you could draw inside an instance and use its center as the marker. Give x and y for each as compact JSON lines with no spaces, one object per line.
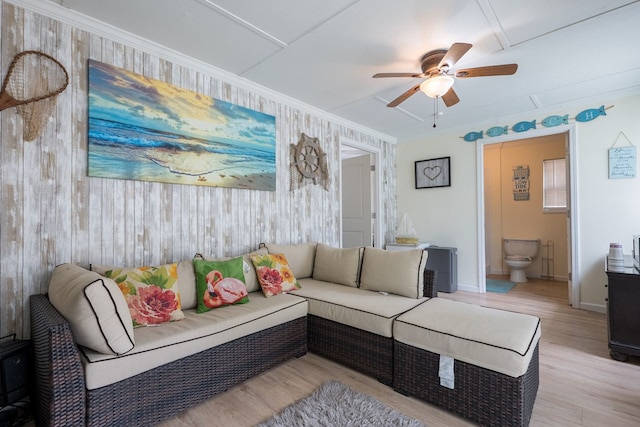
{"x":436,"y":68}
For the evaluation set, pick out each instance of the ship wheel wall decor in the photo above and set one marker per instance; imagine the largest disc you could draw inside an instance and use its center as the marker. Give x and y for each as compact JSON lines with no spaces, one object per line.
{"x":308,"y":162}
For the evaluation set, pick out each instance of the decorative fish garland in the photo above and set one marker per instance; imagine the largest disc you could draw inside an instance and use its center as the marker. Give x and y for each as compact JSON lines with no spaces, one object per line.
{"x":548,"y":122}
{"x":590,"y":114}
{"x":524,"y":126}
{"x":498,"y":130}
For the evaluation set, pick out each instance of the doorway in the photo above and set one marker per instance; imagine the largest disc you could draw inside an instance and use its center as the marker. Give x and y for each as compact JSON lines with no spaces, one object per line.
{"x":489,"y":246}
{"x":359,"y":189}
{"x":357,"y":224}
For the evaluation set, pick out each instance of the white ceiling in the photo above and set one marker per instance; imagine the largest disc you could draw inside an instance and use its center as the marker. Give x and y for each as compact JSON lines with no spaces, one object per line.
{"x":324,"y":52}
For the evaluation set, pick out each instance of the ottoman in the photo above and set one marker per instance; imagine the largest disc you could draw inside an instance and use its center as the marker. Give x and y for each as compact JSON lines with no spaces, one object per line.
{"x":478,"y":362}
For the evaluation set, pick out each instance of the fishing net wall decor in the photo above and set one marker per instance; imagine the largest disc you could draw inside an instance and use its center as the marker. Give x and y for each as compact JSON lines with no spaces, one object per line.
{"x":33,"y":81}
{"x":308,"y":163}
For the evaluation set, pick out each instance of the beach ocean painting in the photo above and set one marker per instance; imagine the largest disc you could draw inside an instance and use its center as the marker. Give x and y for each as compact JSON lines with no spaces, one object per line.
{"x":145,"y":129}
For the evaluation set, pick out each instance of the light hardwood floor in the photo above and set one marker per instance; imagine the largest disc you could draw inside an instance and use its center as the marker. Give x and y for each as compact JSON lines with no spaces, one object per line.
{"x":580,"y":385}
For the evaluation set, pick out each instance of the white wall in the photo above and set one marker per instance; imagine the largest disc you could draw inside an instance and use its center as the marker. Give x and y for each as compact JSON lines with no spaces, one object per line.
{"x":51,"y":212}
{"x":608,"y":210}
{"x":444,"y":216}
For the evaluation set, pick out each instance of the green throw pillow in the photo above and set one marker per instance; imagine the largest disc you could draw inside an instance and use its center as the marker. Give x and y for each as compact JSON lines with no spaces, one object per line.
{"x":219,"y":283}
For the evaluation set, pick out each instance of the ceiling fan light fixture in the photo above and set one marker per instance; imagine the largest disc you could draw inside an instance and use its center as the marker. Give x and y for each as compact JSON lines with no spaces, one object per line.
{"x":437,"y":86}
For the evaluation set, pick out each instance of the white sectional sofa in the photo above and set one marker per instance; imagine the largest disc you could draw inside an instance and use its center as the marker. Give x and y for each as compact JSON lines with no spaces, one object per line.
{"x":354,"y":296}
{"x":345,"y":309}
{"x":91,"y":384}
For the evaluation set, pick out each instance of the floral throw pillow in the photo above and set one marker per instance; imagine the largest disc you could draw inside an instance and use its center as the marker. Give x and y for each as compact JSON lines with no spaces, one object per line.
{"x":274,"y":274}
{"x":151,"y":292}
{"x":219,"y":283}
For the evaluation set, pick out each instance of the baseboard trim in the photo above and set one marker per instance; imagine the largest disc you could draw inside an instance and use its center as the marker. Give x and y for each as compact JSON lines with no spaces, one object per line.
{"x":599,"y":308}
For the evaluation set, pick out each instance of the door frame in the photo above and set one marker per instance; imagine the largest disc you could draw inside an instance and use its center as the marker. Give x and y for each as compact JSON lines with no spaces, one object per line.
{"x":573,"y":267}
{"x":378,"y":237}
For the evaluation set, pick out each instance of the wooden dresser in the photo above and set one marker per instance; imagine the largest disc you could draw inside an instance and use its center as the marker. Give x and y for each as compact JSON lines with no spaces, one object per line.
{"x":623,"y":312}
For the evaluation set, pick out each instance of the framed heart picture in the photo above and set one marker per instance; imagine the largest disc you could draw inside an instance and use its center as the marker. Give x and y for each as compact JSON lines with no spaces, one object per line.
{"x":433,"y":173}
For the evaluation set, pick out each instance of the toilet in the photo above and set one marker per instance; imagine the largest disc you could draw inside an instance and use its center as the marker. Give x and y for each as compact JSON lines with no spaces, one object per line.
{"x":518,"y":256}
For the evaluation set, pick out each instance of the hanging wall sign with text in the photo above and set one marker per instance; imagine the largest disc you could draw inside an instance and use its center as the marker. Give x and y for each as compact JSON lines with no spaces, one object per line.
{"x":622,"y":160}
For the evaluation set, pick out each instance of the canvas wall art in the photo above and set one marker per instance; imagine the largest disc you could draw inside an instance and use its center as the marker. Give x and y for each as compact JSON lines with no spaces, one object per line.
{"x":145,"y":129}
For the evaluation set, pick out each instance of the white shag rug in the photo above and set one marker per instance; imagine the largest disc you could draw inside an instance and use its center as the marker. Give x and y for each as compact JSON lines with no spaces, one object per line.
{"x":334,"y":404}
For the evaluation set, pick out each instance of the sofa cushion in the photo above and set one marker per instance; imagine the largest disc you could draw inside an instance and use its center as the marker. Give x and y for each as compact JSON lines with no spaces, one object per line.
{"x":300,"y":257}
{"x":498,"y":340}
{"x":274,"y":274}
{"x":250,"y":276}
{"x":94,"y":307}
{"x":198,"y":332}
{"x":370,"y":311}
{"x":151,"y":292}
{"x":219,"y":283}
{"x":186,"y":281}
{"x":395,"y":272}
{"x":187,"y":284}
{"x":337,"y":265}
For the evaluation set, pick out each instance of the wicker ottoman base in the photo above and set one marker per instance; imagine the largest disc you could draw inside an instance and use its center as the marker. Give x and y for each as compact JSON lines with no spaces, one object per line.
{"x":360,"y":350}
{"x":484,"y":396}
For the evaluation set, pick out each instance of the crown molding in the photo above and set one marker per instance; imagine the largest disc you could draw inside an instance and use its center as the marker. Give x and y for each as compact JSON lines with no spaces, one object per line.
{"x":99,"y":28}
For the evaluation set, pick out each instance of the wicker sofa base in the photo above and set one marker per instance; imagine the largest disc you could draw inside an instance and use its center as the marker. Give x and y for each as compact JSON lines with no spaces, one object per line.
{"x":153,"y":396}
{"x":484,"y":396}
{"x":209,"y":372}
{"x":360,"y":350}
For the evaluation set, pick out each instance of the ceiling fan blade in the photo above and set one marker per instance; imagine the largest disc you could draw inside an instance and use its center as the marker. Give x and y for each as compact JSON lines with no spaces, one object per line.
{"x":450,"y":98}
{"x":454,"y":53}
{"x":491,"y":70}
{"x":404,"y":96}
{"x":415,"y":75}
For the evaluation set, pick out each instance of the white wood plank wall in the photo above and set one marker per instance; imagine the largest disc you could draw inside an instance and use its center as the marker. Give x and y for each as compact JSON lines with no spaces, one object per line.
{"x":52,"y":213}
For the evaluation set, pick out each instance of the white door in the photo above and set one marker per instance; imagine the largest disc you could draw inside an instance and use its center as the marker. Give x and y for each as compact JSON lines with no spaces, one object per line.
{"x":356,"y":202}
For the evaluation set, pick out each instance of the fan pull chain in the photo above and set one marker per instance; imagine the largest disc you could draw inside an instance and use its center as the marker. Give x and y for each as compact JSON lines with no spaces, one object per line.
{"x":435,"y":110}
